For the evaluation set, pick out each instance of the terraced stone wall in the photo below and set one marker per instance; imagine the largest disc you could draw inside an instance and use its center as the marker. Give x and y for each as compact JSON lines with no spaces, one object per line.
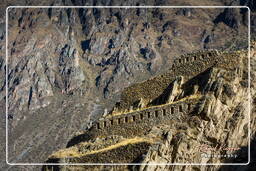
{"x":186,"y":66}
{"x":139,"y":122}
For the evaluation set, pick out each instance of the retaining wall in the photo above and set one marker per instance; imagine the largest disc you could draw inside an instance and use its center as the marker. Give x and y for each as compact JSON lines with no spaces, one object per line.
{"x":139,"y":122}
{"x":187,"y":66}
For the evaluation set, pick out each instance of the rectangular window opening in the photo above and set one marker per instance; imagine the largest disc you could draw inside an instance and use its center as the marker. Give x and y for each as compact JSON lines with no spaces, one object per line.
{"x":141,"y":116}
{"x":148,"y":114}
{"x":172,"y":110}
{"x":164,"y":112}
{"x":156,"y":113}
{"x":126,"y":119}
{"x":133,"y":118}
{"x":180,"y":108}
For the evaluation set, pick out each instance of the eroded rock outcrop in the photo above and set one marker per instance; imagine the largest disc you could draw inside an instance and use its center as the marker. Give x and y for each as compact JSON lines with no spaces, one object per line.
{"x":193,"y":127}
{"x":67,"y":65}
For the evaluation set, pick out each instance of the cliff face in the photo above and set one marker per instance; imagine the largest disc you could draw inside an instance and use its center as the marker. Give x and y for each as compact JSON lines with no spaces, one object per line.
{"x":207,"y":125}
{"x":68,"y":67}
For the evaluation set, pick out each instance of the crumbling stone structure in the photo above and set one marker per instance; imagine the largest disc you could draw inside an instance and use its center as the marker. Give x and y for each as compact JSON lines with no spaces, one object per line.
{"x":139,"y":122}
{"x":187,"y":66}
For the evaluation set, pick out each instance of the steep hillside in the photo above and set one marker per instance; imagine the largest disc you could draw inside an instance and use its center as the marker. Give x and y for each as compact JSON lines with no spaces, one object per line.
{"x":69,"y":67}
{"x":204,"y":119}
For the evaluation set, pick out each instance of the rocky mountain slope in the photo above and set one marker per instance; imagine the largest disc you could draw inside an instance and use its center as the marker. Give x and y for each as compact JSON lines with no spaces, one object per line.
{"x":68,"y":67}
{"x":210,"y":124}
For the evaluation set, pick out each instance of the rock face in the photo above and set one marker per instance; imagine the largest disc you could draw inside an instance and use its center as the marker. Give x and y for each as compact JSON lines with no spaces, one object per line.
{"x":229,"y":17}
{"x":68,"y":67}
{"x":204,"y":124}
{"x":175,"y":89}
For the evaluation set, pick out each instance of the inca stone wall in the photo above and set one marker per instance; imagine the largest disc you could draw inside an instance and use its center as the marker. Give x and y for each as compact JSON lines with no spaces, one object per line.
{"x":126,"y":154}
{"x":130,"y":124}
{"x":139,"y":122}
{"x":187,"y":66}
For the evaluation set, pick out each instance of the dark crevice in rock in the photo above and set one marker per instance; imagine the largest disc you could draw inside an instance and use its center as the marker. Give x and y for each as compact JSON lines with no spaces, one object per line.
{"x":119,"y":17}
{"x":30,"y":96}
{"x":85,"y":45}
{"x":49,"y":13}
{"x":230,"y":17}
{"x":250,"y":3}
{"x":97,"y":14}
{"x":111,"y":44}
{"x":166,"y":26}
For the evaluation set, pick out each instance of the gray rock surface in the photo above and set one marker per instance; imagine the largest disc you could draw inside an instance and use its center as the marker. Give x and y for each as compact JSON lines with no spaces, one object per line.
{"x":64,"y":61}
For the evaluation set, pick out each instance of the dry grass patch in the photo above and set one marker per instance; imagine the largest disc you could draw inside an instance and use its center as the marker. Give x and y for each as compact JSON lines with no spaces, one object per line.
{"x":194,"y":96}
{"x":74,"y":152}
